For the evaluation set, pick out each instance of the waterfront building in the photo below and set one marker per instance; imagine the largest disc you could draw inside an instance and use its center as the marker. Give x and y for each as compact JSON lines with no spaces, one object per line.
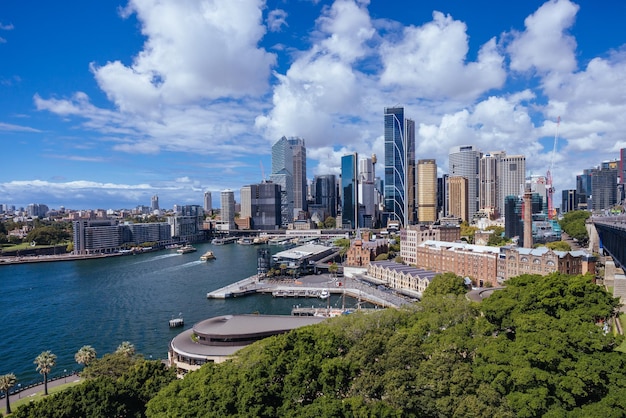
{"x":217,"y":339}
{"x":149,"y":232}
{"x":426,"y":191}
{"x":365,"y":249}
{"x":303,"y":258}
{"x":515,"y":261}
{"x":604,"y":185}
{"x":349,"y":191}
{"x":399,"y":186}
{"x":478,"y":262}
{"x":406,"y":279}
{"x":463,"y":162}
{"x":458,"y":205}
{"x":97,"y":236}
{"x":413,"y":235}
{"x":208,"y":202}
{"x":228,"y":209}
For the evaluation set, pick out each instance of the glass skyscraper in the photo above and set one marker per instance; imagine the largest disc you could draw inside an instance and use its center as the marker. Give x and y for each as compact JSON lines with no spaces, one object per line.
{"x":289,"y":171}
{"x":400,"y":184}
{"x":463,"y":162}
{"x":349,"y":195}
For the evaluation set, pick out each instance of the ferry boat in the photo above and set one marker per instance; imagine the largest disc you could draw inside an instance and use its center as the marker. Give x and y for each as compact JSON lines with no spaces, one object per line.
{"x":207,"y":256}
{"x":186,"y":249}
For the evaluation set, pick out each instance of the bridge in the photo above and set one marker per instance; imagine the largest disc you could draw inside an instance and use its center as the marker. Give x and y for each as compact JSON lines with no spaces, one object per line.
{"x":612,"y":236}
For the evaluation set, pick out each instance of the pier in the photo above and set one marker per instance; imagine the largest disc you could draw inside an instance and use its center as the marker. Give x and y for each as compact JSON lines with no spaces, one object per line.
{"x":311,"y":286}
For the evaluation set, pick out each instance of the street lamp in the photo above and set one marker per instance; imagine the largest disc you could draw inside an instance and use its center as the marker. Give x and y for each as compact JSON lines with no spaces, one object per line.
{"x":65,"y":374}
{"x":19,"y":391}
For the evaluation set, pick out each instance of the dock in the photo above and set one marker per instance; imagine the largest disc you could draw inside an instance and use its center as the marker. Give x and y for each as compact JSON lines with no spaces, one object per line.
{"x":310,"y":287}
{"x":177,"y":322}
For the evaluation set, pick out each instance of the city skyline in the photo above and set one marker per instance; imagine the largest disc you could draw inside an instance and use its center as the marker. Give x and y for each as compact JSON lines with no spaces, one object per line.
{"x":105,"y":106}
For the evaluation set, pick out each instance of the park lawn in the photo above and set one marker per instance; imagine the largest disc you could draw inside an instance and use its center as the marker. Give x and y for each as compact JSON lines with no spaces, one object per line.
{"x":622,"y":320}
{"x":38,"y":396}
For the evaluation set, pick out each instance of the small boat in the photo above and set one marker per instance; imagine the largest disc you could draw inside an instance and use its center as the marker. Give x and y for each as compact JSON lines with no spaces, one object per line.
{"x":186,"y":249}
{"x":173,"y":246}
{"x":207,"y":256}
{"x":324,"y":294}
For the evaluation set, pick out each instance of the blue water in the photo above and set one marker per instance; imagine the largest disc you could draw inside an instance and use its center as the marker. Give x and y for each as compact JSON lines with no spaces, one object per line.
{"x":61,"y":306}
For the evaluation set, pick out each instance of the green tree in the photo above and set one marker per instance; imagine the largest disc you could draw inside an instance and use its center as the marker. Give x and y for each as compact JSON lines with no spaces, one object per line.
{"x":126,"y":349}
{"x":329,"y":222}
{"x":382,"y":257}
{"x":344,"y":246}
{"x":559,"y":246}
{"x":573,"y":224}
{"x":446,"y":284}
{"x":332,"y":269}
{"x":468,"y":232}
{"x":85,"y":355}
{"x":7,"y":381}
{"x":45,"y":362}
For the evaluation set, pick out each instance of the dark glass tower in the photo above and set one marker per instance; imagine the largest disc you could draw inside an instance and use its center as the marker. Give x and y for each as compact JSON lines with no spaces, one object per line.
{"x":349,"y":196}
{"x":400,"y":182}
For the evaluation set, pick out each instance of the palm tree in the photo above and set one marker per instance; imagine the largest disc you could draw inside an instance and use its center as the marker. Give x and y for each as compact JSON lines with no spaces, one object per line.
{"x":332,"y":269}
{"x":7,"y":381}
{"x":85,"y":355}
{"x":45,"y":362}
{"x":126,"y":349}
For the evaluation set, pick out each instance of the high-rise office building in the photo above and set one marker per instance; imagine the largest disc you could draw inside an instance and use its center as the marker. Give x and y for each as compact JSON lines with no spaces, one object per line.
{"x":426,"y":191}
{"x":154,"y":203}
{"x":511,"y":177}
{"x":583,"y":189}
{"x":208,"y":202}
{"x":568,"y":200}
{"x":228,"y":208}
{"x":289,"y":172}
{"x":457,"y":197}
{"x":349,"y":191}
{"x":463,"y":162}
{"x":367,"y":192}
{"x":399,"y":193}
{"x":604,"y":185}
{"x":488,"y":182}
{"x":245,"y":196}
{"x":264,"y":205}
{"x":326,"y":193}
{"x":442,"y":195}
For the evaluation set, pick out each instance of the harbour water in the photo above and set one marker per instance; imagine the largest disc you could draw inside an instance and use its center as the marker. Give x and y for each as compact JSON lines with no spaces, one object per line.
{"x":61,"y":306}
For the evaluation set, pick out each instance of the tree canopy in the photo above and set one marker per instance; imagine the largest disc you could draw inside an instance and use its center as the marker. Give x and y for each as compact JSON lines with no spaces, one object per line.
{"x":573,"y":223}
{"x":531,"y":349}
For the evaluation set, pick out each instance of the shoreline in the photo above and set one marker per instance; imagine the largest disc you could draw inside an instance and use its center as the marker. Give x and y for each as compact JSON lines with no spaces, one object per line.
{"x":7,"y":261}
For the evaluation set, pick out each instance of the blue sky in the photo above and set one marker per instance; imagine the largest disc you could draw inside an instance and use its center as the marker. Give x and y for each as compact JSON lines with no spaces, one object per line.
{"x":104,"y":104}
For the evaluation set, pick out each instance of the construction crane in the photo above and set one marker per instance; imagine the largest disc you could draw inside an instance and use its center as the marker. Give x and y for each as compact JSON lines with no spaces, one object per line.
{"x":549,"y":184}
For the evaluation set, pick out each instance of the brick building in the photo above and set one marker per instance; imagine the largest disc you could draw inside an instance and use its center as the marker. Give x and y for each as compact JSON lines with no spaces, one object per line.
{"x":400,"y":276}
{"x":363,"y":250}
{"x":413,"y":235}
{"x":516,"y":261}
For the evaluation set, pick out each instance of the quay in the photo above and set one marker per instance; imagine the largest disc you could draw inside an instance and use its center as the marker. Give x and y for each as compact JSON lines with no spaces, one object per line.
{"x":312,"y":286}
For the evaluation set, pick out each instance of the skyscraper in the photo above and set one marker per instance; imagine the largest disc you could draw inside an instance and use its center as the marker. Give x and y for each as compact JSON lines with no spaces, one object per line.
{"x":399,"y":167}
{"x":289,"y":172}
{"x":511,"y":178}
{"x":264,"y":205}
{"x":349,"y":191}
{"x":228,"y":208}
{"x":488,"y":182}
{"x":326,"y":193}
{"x":604,"y":185}
{"x":463,"y":161}
{"x":426,"y":191}
{"x":367,"y":192}
{"x":457,"y":197}
{"x":208,"y":202}
{"x":154,"y":203}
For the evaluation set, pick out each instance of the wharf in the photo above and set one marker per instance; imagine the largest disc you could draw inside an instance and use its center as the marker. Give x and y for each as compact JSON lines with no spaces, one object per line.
{"x":310,"y":286}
